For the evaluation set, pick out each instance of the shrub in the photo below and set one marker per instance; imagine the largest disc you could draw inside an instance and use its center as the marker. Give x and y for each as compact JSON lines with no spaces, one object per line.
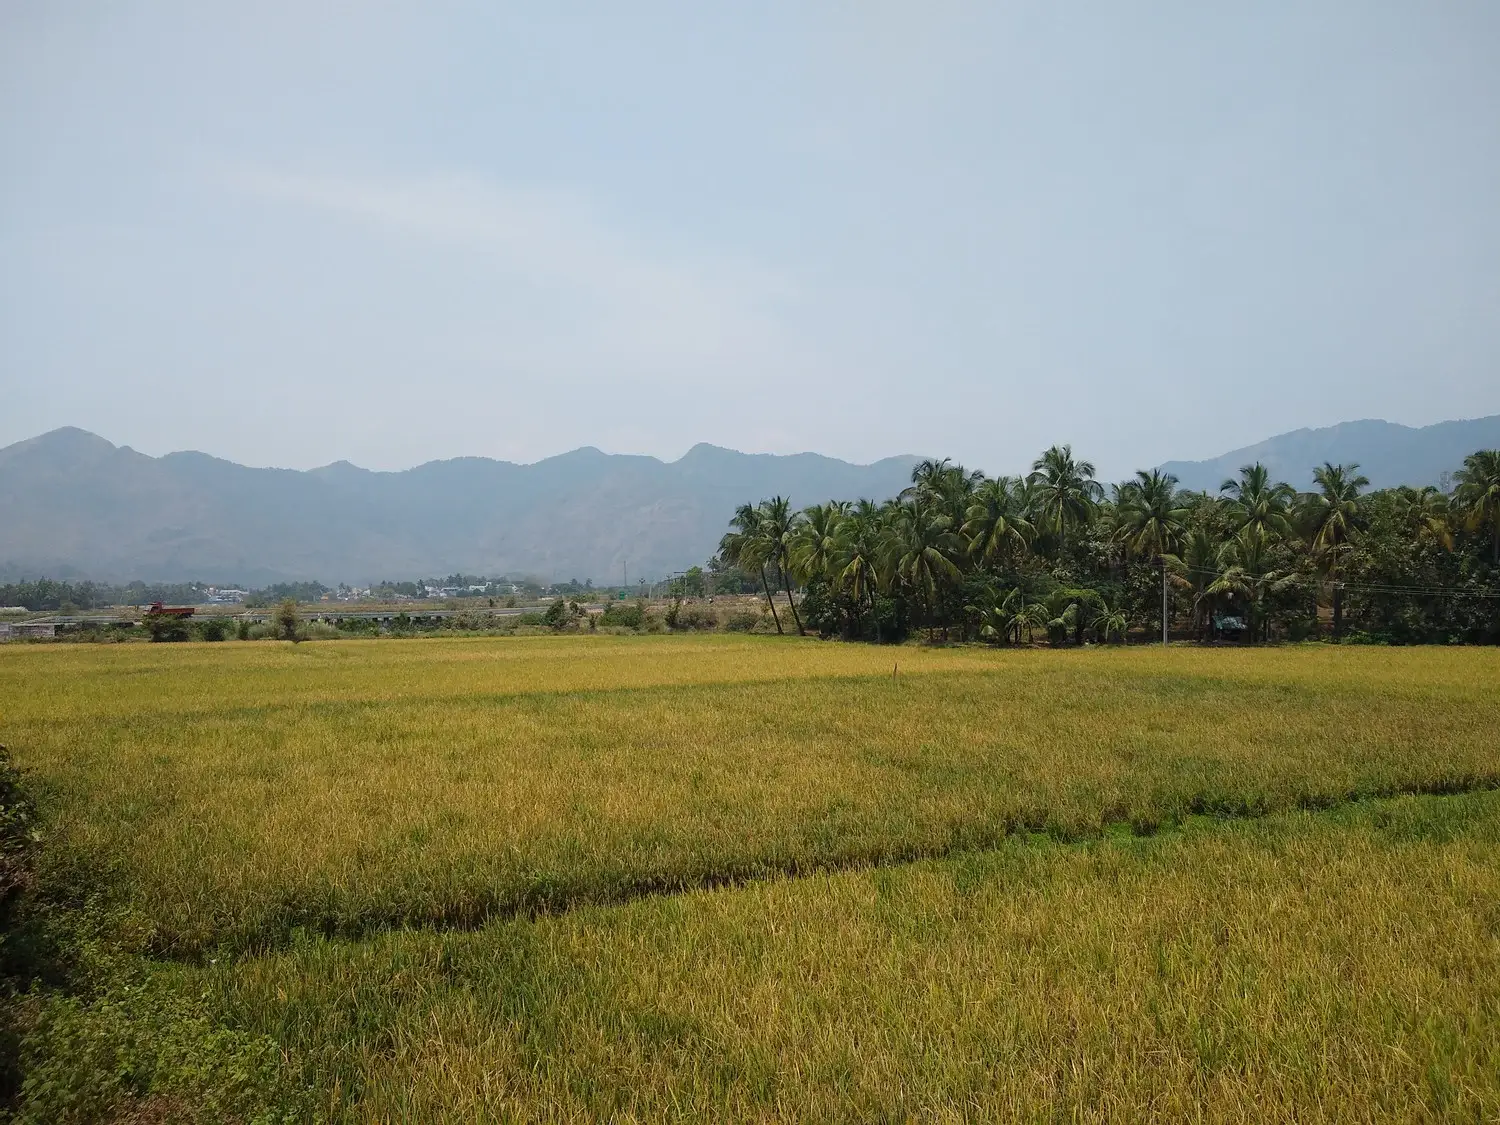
{"x":557,"y":615}
{"x":631,"y":615}
{"x":742,"y":620}
{"x":286,"y":619}
{"x":214,"y":629}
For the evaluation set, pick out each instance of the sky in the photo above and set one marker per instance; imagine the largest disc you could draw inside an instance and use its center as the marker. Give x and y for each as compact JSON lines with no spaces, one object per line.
{"x":295,"y":233}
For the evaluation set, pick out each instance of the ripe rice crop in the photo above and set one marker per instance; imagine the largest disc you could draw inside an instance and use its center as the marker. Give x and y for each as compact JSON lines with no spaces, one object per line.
{"x":231,"y":794}
{"x":1332,"y":967}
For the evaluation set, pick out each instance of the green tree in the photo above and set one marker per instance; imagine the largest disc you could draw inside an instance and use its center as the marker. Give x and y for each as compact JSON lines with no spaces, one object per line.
{"x":1064,"y":491}
{"x":995,"y":522}
{"x":286,"y":619}
{"x":1251,"y":573}
{"x":858,"y":566}
{"x":1478,"y":496}
{"x":1259,"y":505}
{"x":1331,"y":519}
{"x":1424,"y":514}
{"x":1197,"y":567}
{"x":1150,"y":517}
{"x":815,"y":544}
{"x":747,"y":546}
{"x":779,"y":524}
{"x":923,"y":548}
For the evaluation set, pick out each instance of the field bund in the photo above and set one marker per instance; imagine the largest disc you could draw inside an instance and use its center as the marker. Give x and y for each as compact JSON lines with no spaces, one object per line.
{"x":646,"y":878}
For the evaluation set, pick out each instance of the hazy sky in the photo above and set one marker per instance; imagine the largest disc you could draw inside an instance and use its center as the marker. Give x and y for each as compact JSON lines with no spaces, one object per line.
{"x":293,"y":233}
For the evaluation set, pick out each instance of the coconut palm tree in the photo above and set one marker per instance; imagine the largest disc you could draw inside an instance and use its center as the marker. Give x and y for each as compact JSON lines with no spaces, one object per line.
{"x":1065,"y":492}
{"x":1111,"y":622}
{"x":1250,"y":573}
{"x":1331,"y":515}
{"x":780,"y":526}
{"x":748,"y":546}
{"x":860,"y":553}
{"x":1258,"y":504}
{"x":995,"y":524}
{"x":1195,"y":568}
{"x":1425,"y":512}
{"x":922,"y":549}
{"x":1150,"y":517}
{"x":1478,"y":495}
{"x":1331,"y":520}
{"x":816,"y":541}
{"x":1004,"y":621}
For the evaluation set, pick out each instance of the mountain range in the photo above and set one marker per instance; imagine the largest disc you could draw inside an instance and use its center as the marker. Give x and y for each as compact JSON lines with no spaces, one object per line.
{"x":73,"y":504}
{"x":1387,"y":453}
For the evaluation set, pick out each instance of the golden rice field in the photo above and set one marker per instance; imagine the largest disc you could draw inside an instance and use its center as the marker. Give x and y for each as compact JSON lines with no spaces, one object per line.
{"x":647,"y":878}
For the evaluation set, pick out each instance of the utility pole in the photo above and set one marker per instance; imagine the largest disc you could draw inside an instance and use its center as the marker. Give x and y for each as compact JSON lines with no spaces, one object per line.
{"x":1163,"y":602}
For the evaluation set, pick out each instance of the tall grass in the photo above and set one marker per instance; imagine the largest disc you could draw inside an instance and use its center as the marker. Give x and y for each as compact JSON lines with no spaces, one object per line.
{"x":1331,"y":968}
{"x":232,"y":794}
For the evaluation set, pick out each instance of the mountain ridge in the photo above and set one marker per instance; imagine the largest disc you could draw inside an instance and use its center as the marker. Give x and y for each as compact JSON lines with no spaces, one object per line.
{"x":1387,"y":452}
{"x":73,"y":504}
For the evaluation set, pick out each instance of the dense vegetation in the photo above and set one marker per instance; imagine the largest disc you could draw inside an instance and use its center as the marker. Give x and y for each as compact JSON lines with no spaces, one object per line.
{"x":1053,"y":554}
{"x":443,"y":880}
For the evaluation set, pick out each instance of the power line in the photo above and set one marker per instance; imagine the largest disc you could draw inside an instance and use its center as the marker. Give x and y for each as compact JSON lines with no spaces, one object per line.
{"x":1382,"y":588}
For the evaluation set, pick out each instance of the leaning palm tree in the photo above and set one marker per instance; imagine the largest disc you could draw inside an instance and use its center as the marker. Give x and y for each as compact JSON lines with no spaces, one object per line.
{"x":922,"y":549}
{"x":1065,"y":491}
{"x":780,"y":525}
{"x":1258,"y":504}
{"x":1478,"y":495}
{"x":747,"y":546}
{"x":995,"y":524}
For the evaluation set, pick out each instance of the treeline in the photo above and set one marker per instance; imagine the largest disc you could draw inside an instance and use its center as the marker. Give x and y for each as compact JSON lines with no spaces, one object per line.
{"x":1057,"y":554}
{"x":47,"y":594}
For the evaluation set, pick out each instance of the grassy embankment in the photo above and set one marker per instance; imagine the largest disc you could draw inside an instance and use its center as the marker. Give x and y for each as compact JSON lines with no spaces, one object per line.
{"x":220,"y":797}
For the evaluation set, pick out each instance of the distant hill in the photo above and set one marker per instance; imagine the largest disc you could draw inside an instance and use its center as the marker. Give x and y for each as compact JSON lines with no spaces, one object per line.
{"x":74,"y":505}
{"x":1387,"y":453}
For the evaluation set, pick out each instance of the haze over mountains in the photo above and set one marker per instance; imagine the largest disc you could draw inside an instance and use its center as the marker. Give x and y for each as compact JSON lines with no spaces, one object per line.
{"x":1387,"y":453}
{"x":74,"y":505}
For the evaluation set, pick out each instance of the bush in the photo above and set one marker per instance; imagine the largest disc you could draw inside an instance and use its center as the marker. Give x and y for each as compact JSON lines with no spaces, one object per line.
{"x":165,"y":627}
{"x":742,"y":620}
{"x":214,"y":629}
{"x":242,"y":629}
{"x":286,"y":619}
{"x":631,"y":615}
{"x":701,"y":617}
